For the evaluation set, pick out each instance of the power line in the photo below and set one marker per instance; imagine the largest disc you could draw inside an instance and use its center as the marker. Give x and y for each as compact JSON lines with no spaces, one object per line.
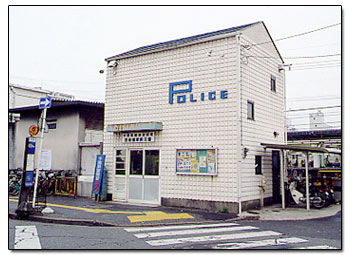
{"x":296,"y":35}
{"x":306,"y":116}
{"x":317,"y":62}
{"x":316,"y":67}
{"x":315,"y":108}
{"x":61,"y":81}
{"x":315,"y":123}
{"x":307,"y":97}
{"x":299,"y":57}
{"x":312,"y":99}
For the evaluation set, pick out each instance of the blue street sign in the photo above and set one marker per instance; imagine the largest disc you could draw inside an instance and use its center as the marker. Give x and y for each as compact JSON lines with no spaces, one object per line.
{"x":45,"y":102}
{"x":29,"y":179}
{"x":31,"y":147}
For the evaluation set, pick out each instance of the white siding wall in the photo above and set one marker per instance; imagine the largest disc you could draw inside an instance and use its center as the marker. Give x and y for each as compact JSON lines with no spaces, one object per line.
{"x":139,"y":93}
{"x":268,"y":110}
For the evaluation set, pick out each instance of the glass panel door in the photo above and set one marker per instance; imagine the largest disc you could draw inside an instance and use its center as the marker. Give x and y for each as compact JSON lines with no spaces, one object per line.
{"x":135,"y":175}
{"x":144,"y":175}
{"x":151,"y":179}
{"x":136,"y":159}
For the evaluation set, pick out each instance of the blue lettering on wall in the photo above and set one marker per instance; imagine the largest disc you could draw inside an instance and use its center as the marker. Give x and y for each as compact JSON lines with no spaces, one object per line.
{"x":223,"y":94}
{"x":182,"y":98}
{"x":172,"y":91}
{"x":212,"y":95}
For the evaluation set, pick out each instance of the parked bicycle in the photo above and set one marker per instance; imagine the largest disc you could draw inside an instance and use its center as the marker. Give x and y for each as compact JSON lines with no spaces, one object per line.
{"x":15,"y":178}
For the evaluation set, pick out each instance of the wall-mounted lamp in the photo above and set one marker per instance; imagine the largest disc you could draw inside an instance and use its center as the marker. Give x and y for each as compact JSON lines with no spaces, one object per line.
{"x":112,"y":63}
{"x":245,"y":152}
{"x":282,"y":67}
{"x":275,"y":133}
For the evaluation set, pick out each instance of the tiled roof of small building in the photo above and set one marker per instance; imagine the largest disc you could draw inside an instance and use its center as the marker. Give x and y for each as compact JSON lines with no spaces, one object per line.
{"x":178,"y":42}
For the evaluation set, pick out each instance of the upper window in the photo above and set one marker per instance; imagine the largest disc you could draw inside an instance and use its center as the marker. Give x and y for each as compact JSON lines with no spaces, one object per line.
{"x":51,"y":124}
{"x":273,"y":83}
{"x":250,"y":113}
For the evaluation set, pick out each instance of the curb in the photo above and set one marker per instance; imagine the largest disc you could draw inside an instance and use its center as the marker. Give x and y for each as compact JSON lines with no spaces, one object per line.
{"x":78,"y":222}
{"x":92,"y":223}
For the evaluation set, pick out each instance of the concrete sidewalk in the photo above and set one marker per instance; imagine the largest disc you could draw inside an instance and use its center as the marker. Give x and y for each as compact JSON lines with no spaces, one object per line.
{"x":275,"y":212}
{"x":86,"y":211}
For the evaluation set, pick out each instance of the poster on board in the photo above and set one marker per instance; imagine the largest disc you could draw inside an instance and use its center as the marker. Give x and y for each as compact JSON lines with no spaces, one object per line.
{"x":196,"y":161}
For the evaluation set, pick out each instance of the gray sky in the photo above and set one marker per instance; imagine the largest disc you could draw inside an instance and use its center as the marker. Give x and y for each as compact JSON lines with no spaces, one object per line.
{"x":63,"y":48}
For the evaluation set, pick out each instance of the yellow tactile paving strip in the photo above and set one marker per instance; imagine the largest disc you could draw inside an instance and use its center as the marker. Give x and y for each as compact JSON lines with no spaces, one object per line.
{"x":158,"y":215}
{"x":140,"y":217}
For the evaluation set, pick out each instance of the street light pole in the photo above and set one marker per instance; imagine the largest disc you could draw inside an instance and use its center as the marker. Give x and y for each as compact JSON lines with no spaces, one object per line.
{"x":307,"y":180}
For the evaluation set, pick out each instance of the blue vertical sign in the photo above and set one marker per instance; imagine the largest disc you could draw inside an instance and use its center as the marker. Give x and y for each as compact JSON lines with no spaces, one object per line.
{"x":96,"y":184}
{"x":29,"y":179}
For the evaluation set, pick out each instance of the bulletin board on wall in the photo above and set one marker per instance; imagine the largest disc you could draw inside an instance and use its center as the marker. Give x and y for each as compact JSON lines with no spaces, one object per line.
{"x":196,"y":161}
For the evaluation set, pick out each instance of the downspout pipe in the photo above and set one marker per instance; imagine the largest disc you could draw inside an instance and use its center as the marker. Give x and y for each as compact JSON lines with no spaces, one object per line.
{"x":239,"y":122}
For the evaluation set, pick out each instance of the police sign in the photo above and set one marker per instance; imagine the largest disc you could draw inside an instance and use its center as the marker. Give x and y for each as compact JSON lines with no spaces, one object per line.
{"x":211,"y":95}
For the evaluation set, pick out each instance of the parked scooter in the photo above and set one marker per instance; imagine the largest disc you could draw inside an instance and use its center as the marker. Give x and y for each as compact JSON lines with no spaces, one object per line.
{"x":298,"y":193}
{"x":326,"y":188}
{"x":329,"y":194}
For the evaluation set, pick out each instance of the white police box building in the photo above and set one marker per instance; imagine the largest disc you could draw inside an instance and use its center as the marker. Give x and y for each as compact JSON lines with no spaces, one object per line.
{"x":184,"y":121}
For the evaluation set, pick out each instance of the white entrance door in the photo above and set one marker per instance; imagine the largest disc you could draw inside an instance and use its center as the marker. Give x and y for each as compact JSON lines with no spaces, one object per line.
{"x":144,"y":175}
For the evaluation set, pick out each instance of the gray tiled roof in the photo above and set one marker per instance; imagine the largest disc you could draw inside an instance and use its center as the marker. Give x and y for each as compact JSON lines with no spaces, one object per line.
{"x":178,"y":42}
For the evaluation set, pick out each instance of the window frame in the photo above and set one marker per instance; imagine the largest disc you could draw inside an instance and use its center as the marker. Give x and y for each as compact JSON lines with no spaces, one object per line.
{"x":273,"y":83}
{"x":258,"y":168}
{"x":120,"y":171}
{"x":252,"y":117}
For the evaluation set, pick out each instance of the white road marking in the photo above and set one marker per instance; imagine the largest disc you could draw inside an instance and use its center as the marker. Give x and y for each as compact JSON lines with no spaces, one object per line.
{"x":135,"y":229}
{"x":260,"y":243}
{"x":26,"y":237}
{"x":317,"y":247}
{"x":196,"y":239}
{"x":193,"y":231}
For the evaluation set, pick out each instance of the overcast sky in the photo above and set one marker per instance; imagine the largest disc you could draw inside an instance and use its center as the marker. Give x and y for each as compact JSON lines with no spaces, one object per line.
{"x":63,"y":48}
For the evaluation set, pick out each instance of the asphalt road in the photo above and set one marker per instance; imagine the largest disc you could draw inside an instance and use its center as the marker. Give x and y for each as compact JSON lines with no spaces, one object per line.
{"x":319,"y":233}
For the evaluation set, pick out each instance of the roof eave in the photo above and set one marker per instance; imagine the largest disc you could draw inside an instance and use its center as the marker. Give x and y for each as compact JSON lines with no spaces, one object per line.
{"x":122,"y":56}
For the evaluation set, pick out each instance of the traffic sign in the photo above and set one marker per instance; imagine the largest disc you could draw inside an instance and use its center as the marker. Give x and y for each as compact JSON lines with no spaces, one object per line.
{"x":33,"y":130}
{"x":45,"y":102}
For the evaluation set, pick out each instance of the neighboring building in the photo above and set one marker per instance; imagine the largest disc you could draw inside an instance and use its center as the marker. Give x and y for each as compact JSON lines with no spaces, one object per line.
{"x":184,"y":120}
{"x":328,"y":138}
{"x":317,"y":121}
{"x":22,"y":96}
{"x":72,"y":139}
{"x":289,"y":125}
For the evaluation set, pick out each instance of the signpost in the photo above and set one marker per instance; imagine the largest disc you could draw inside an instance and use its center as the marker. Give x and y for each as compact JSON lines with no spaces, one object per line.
{"x":44,"y":103}
{"x":24,"y":207}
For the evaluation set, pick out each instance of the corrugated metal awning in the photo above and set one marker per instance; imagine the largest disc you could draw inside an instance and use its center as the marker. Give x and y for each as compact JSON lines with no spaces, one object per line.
{"x":131,"y":127}
{"x":304,"y":148}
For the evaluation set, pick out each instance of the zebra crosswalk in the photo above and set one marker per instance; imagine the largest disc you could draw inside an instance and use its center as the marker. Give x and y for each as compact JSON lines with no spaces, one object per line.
{"x":218,"y":236}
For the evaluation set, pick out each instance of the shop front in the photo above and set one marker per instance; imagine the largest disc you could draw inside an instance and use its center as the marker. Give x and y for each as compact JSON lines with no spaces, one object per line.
{"x":137,"y":162}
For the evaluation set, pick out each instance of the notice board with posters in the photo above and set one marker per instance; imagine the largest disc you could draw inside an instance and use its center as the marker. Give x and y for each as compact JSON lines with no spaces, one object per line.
{"x":196,"y":161}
